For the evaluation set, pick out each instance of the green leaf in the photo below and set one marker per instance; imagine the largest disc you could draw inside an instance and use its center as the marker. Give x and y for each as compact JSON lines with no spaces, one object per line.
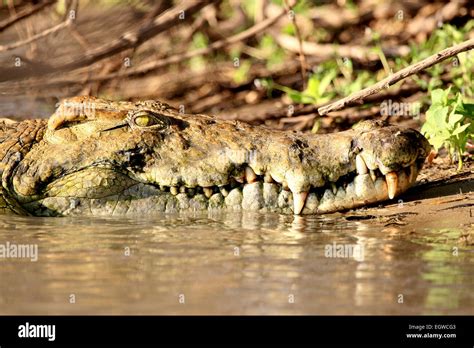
{"x":454,"y":118}
{"x":313,"y":87}
{"x":461,"y":129}
{"x":308,"y":99}
{"x":444,"y":133}
{"x":242,"y":73}
{"x":289,"y":29}
{"x":438,"y":114}
{"x":295,"y":96}
{"x":325,"y":82}
{"x":437,"y":143}
{"x":426,"y":129}
{"x":437,"y":96}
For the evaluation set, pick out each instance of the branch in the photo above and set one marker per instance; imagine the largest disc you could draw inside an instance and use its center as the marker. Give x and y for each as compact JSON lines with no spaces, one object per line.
{"x":177,"y":58}
{"x":24,"y":14}
{"x":326,"y":51}
{"x":289,"y":7}
{"x":37,"y":36}
{"x":178,"y":14}
{"x":134,"y":38}
{"x":359,"y":97}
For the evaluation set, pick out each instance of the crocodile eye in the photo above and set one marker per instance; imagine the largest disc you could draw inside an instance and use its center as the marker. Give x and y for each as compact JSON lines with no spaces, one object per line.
{"x":143,"y":121}
{"x":148,"y":119}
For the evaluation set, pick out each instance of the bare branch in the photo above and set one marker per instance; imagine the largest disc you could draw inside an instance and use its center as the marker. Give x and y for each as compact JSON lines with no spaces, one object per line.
{"x":38,"y":36}
{"x":134,"y":38}
{"x":187,"y":55}
{"x":326,"y":51}
{"x":24,"y":14}
{"x":178,"y":14}
{"x":359,"y":97}
{"x":289,"y":8}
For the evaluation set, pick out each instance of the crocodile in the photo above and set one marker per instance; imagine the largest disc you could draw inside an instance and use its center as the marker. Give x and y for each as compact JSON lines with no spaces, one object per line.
{"x":117,"y":158}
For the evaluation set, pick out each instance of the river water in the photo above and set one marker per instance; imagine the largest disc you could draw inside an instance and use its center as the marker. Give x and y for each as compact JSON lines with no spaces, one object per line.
{"x":232,"y":264}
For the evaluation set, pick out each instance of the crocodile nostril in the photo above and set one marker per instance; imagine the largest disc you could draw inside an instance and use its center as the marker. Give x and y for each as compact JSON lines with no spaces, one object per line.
{"x":422,"y":153}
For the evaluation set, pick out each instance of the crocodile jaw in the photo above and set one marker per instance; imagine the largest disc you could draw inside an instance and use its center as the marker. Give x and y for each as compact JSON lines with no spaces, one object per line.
{"x":300,"y":181}
{"x":92,"y":166}
{"x":140,"y":199}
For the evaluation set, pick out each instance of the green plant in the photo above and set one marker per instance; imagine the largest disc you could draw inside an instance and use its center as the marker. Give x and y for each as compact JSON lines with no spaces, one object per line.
{"x":317,"y":91}
{"x":242,"y":73}
{"x":271,"y":52}
{"x":330,"y":79}
{"x":351,"y":81}
{"x":199,"y":41}
{"x":449,"y":123}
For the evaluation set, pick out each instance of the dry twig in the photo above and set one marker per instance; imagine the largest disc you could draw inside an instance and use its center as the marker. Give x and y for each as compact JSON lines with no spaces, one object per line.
{"x":289,"y":8}
{"x":357,"y":52}
{"x":359,"y":96}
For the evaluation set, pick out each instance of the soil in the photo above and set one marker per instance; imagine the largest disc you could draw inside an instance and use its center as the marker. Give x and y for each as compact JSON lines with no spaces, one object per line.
{"x":441,"y":198}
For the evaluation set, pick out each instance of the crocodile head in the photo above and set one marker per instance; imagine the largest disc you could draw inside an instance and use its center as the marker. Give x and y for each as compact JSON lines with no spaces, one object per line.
{"x":98,"y":157}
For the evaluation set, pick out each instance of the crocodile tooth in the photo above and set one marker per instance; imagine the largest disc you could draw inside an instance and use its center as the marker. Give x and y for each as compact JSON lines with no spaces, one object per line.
{"x":413,"y":173}
{"x":224,"y":191}
{"x":162,"y":188}
{"x":268,"y":178}
{"x":373,"y":176}
{"x":392,"y":184}
{"x":334,"y":188}
{"x":383,"y":169}
{"x":174,"y":190}
{"x":277,"y":178}
{"x":363,"y":186}
{"x":360,"y":165}
{"x":182,"y":189}
{"x":250,"y":175}
{"x":299,"y":199}
{"x":207,"y":191}
{"x":369,"y":161}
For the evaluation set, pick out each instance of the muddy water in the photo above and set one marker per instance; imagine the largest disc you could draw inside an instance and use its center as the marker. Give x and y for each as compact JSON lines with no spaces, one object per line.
{"x":235,"y":264}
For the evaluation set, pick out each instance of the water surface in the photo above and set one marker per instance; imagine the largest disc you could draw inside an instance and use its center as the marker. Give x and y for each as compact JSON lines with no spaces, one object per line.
{"x":233,"y":264}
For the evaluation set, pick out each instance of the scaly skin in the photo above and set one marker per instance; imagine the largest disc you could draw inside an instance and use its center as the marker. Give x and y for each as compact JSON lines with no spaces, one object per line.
{"x":97,"y":157}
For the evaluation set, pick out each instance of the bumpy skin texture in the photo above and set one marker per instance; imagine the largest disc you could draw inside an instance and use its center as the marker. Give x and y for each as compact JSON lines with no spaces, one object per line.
{"x":97,"y":157}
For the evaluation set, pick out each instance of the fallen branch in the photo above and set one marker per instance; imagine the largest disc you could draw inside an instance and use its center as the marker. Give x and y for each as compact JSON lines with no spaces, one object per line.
{"x":359,"y":97}
{"x":357,"y":52}
{"x":24,"y":14}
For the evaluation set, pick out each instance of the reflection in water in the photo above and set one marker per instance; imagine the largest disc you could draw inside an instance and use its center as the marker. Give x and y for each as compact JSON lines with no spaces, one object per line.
{"x":232,"y":264}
